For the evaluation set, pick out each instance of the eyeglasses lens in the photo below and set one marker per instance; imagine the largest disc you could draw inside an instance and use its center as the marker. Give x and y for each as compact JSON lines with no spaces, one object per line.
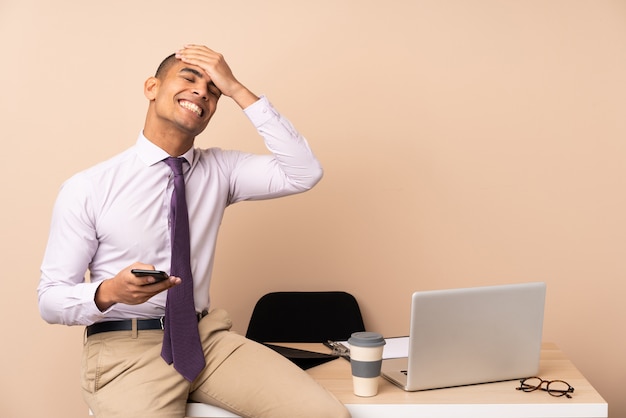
{"x":530,"y":384}
{"x":558,"y":388}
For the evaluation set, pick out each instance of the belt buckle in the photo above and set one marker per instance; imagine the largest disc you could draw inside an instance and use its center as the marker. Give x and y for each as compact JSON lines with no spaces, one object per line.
{"x":202,"y":314}
{"x":161,"y":320}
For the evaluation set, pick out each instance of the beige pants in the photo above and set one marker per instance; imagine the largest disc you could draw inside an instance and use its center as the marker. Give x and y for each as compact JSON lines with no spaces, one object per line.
{"x":123,"y":375}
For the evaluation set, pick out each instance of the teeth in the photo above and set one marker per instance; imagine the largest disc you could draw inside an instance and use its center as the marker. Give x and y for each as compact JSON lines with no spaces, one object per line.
{"x":190,"y":106}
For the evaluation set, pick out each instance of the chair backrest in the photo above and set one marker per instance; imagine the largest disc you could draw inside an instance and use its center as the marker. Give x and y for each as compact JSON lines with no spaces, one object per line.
{"x":305,"y":317}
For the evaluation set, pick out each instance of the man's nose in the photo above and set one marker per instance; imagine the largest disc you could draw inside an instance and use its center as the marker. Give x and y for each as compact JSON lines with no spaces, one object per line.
{"x":202,"y":92}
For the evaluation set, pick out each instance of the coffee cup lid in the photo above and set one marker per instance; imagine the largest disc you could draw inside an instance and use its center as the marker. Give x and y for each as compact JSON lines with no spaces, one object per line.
{"x":366,"y":339}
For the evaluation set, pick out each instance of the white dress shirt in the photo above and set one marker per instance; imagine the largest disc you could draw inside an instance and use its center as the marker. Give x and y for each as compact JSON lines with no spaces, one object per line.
{"x":117,"y":213}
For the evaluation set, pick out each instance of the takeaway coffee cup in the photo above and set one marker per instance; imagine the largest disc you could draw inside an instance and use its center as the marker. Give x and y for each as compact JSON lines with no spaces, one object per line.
{"x":366,"y":356}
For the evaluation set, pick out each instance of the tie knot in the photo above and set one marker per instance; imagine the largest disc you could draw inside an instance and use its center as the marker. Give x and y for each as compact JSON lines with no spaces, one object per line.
{"x":176,"y":164}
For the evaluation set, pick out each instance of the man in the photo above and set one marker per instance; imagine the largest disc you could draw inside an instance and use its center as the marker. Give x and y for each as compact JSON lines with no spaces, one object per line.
{"x":119,"y":216}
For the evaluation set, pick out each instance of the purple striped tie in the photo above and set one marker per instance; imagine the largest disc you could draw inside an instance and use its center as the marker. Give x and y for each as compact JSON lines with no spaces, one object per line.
{"x":181,"y":340}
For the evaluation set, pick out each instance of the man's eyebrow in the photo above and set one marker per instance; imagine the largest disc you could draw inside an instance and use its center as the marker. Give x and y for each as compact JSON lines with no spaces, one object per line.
{"x":192,"y":71}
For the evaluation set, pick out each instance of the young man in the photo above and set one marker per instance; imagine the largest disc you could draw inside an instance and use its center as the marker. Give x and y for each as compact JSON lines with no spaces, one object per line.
{"x":118,"y":216}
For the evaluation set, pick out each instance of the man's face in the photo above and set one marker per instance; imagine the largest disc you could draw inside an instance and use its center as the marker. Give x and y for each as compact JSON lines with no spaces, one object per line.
{"x":183,"y":99}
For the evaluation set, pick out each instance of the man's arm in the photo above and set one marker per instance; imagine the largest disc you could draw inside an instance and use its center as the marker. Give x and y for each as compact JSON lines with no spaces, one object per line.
{"x":292,"y":169}
{"x":65,"y":297}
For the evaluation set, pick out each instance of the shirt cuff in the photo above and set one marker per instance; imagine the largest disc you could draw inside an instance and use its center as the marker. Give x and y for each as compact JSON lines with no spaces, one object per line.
{"x":260,"y":111}
{"x":92,"y":313}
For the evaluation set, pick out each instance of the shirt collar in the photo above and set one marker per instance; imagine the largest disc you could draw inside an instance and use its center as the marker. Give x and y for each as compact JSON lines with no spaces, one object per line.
{"x":151,"y":154}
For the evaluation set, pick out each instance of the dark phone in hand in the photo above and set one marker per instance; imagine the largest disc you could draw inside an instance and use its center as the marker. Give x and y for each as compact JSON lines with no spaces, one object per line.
{"x":158,"y":275}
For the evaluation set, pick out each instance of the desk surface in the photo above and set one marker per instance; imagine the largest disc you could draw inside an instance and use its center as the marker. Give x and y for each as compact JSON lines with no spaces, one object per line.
{"x":499,"y":399}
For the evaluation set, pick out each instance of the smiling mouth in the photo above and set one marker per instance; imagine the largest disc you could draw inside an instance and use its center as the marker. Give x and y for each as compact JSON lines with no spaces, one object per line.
{"x":191,"y":107}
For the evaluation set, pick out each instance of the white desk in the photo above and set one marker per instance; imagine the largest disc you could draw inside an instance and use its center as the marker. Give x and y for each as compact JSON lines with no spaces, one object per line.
{"x":493,"y":400}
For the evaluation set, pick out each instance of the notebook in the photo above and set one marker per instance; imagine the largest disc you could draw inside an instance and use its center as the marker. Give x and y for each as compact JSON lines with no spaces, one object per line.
{"x":302,"y":358}
{"x":472,"y":335}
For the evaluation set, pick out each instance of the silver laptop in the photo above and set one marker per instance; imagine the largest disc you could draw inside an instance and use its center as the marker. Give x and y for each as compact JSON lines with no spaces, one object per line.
{"x":469,"y":336}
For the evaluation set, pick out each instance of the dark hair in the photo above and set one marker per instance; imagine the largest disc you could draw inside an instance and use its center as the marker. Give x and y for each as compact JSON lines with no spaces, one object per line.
{"x":165,"y":66}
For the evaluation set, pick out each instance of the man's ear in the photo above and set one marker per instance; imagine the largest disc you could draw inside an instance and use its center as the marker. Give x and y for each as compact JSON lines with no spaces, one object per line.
{"x":151,"y":87}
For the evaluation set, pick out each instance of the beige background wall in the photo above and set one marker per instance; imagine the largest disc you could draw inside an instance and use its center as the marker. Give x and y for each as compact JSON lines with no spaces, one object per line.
{"x":465,"y":143}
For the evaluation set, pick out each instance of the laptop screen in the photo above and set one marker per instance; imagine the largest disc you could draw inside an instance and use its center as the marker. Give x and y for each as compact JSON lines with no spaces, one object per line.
{"x":471,"y":335}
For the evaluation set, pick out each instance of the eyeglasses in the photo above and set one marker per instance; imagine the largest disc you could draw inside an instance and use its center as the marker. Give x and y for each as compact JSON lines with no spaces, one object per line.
{"x":553,"y":387}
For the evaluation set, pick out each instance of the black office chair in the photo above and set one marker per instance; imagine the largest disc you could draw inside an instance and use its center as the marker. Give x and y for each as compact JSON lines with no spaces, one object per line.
{"x":305,"y":317}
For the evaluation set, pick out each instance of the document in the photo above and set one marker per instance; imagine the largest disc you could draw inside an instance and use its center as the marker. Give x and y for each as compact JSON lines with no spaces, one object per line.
{"x":396,"y":347}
